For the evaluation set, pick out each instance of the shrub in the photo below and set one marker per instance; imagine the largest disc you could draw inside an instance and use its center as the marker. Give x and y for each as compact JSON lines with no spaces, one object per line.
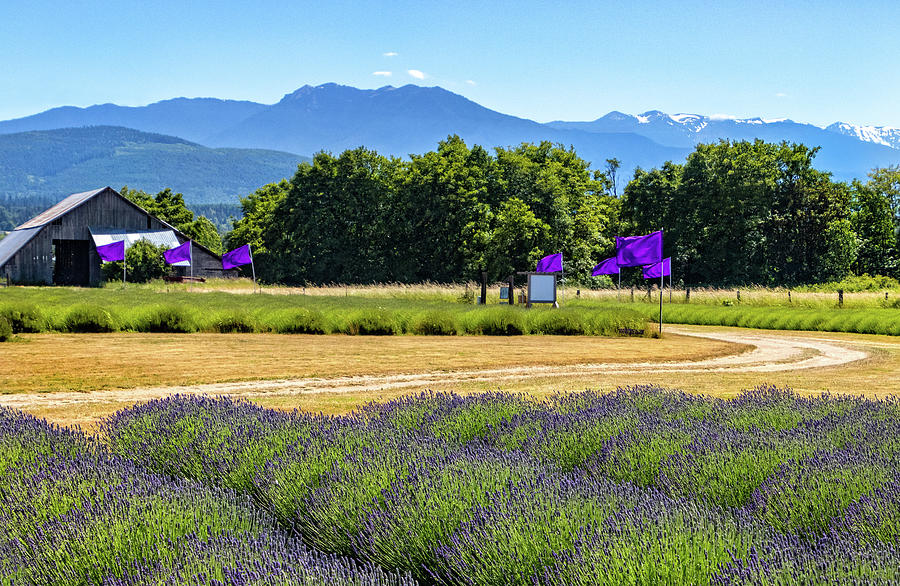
{"x":168,"y":319}
{"x":370,"y":322}
{"x":234,"y":321}
{"x":558,"y":322}
{"x":434,"y":323}
{"x":298,"y":321}
{"x":496,"y":321}
{"x":145,"y":262}
{"x":24,"y":318}
{"x":6,"y":331}
{"x":88,"y":319}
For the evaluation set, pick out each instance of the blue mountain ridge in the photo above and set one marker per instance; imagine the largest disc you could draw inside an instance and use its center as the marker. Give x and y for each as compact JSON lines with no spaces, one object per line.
{"x":410,"y":119}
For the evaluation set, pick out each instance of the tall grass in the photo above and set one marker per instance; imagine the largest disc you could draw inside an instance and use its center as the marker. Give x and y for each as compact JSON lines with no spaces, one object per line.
{"x":148,"y":310}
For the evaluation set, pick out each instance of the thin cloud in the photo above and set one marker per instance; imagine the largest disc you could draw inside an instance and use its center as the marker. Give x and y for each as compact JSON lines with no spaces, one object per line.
{"x":391,"y":54}
{"x":383,"y":73}
{"x":415,"y":73}
{"x":470,"y":82}
{"x":781,"y":95}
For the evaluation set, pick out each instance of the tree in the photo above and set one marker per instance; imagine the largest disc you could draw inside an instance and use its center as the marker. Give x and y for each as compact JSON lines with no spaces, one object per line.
{"x":611,"y":174}
{"x":516,"y":241}
{"x":872,"y":221}
{"x":144,"y":260}
{"x":170,"y":208}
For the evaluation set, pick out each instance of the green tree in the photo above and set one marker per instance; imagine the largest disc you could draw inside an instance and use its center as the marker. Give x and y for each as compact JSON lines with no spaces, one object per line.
{"x":840,"y":246}
{"x":144,"y":260}
{"x":170,"y":208}
{"x":516,"y":241}
{"x":872,"y":220}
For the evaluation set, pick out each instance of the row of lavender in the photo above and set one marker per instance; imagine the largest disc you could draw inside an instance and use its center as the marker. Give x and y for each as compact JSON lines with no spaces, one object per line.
{"x":638,"y":486}
{"x":72,"y":513}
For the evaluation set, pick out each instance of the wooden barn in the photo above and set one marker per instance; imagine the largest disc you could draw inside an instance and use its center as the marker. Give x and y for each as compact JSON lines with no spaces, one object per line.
{"x":59,"y":246}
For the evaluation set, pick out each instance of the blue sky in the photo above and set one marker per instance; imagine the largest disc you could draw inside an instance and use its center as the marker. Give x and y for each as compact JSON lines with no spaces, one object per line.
{"x":815,"y":62}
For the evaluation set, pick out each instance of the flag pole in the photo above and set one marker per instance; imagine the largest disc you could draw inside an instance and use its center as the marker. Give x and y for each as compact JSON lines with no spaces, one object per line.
{"x":661,"y":277}
{"x":191,"y":253}
{"x":619,"y":287}
{"x":123,"y":271}
{"x":252,"y":266}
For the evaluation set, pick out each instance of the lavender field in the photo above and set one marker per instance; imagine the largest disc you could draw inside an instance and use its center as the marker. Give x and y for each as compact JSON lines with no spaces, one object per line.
{"x":639,"y":486}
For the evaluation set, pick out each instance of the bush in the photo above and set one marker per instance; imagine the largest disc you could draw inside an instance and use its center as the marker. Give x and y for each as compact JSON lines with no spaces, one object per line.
{"x":298,"y":321}
{"x":88,"y":319}
{"x":434,"y":323}
{"x":558,"y":323}
{"x":370,"y":322}
{"x":6,"y":330}
{"x":145,"y":262}
{"x":168,"y":319}
{"x":496,"y":321}
{"x":234,"y":322}
{"x":24,"y":318}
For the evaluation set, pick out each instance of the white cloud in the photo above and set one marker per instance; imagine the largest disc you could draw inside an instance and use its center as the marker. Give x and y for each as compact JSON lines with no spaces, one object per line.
{"x":390,"y":54}
{"x":781,"y":95}
{"x":722,"y":117}
{"x":415,"y":73}
{"x":382,"y":73}
{"x":470,"y":82}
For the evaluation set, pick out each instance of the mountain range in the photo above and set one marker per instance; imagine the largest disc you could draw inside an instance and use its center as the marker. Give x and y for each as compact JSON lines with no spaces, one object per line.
{"x":412,"y":119}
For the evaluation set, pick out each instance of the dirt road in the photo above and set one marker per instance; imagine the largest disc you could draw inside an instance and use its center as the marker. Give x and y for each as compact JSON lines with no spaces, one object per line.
{"x":771,"y":352}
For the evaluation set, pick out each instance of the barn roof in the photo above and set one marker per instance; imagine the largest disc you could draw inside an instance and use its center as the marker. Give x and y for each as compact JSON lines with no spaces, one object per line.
{"x":60,"y":209}
{"x":14,"y":241}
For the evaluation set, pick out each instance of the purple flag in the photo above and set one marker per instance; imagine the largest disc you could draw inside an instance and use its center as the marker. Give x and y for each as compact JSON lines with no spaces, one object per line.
{"x":606,"y":267}
{"x":237,"y":257}
{"x":112,"y":252}
{"x":179,"y":254}
{"x":550,"y":264}
{"x":636,"y":251}
{"x":660,"y":269}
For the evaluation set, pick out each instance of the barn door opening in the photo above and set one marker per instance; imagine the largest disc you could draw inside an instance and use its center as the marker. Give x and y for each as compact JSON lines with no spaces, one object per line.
{"x":71,"y":264}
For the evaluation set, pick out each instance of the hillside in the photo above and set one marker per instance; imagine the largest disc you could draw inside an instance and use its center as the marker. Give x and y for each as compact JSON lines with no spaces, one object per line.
{"x":54,"y":163}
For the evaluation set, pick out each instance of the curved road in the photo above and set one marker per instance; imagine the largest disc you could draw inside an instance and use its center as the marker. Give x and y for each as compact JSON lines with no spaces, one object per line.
{"x":770,"y":353}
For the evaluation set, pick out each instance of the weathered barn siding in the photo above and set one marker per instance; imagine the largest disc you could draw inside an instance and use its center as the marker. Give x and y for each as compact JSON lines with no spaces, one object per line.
{"x":34,"y":262}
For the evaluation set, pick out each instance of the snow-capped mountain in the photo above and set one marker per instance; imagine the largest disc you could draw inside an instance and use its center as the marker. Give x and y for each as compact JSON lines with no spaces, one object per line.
{"x":886,"y":135}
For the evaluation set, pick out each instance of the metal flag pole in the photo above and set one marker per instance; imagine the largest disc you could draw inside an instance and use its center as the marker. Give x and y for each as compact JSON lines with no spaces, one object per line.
{"x":619,"y":287}
{"x":670,"y":282}
{"x":123,"y":270}
{"x":252,"y":266}
{"x":191,"y":253}
{"x":660,"y":298}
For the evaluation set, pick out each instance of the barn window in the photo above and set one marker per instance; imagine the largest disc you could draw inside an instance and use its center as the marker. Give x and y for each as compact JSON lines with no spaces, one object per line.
{"x":57,"y":222}
{"x":148,"y":223}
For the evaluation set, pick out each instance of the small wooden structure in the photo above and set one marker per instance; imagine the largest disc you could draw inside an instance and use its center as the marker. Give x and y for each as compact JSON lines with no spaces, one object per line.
{"x":58,"y":246}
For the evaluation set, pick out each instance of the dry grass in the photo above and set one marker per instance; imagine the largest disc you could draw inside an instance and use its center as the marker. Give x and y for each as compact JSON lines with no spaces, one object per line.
{"x":48,"y":362}
{"x":42,"y":363}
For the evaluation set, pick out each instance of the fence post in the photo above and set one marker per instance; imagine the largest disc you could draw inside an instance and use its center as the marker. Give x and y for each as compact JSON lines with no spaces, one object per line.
{"x":687,"y":295}
{"x":632,"y":293}
{"x":840,"y":298}
{"x":789,"y":296}
{"x":739,"y":295}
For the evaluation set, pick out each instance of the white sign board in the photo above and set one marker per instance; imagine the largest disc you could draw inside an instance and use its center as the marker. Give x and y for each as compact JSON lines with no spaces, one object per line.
{"x":541,"y":288}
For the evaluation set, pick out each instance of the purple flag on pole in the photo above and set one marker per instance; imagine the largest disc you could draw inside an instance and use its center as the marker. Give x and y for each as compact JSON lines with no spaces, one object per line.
{"x":179,"y":254}
{"x":660,"y":269}
{"x":112,"y":252}
{"x":606,"y":267}
{"x":550,"y":264}
{"x":237,"y":257}
{"x":636,"y":251}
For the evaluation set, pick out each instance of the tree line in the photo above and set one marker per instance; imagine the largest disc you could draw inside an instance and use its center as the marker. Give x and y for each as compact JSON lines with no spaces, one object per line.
{"x":734,"y":213}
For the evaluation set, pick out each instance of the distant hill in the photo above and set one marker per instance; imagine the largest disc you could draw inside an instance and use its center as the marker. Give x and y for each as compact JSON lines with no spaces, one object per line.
{"x":412,"y":119}
{"x":54,"y":163}
{"x":331,"y":117}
